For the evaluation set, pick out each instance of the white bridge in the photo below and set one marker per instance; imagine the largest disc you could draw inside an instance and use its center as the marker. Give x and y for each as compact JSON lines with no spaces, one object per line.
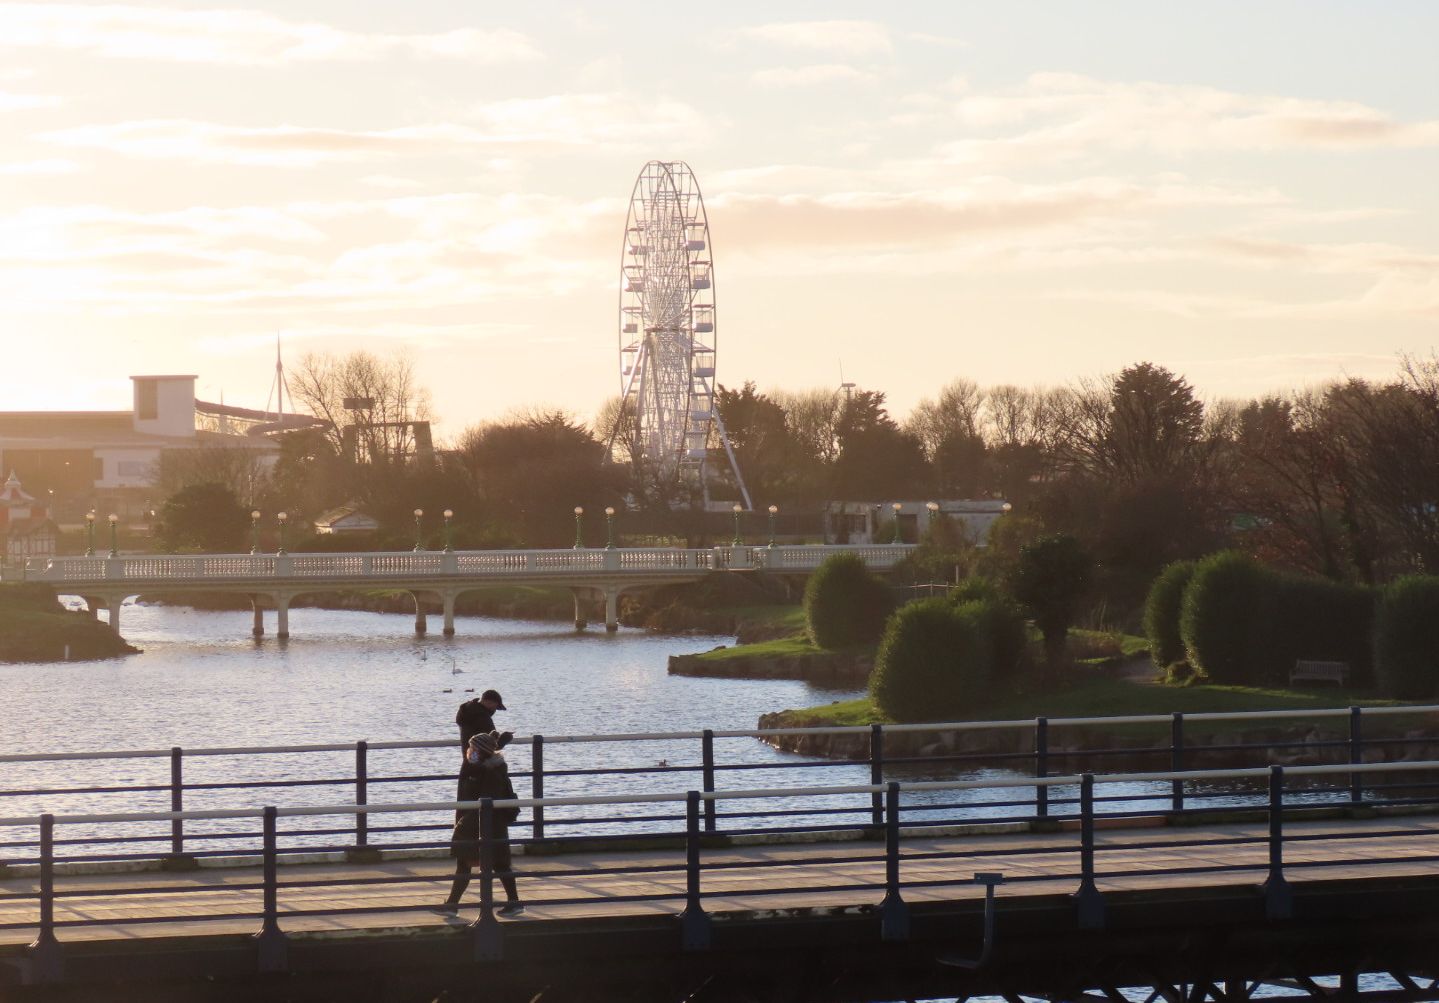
{"x":276,"y":579}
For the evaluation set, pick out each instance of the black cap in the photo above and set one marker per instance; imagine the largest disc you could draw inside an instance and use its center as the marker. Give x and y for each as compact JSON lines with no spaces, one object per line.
{"x":495,"y":696}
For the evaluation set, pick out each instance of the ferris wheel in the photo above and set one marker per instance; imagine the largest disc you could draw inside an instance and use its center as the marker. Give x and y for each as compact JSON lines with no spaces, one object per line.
{"x":667,"y":328}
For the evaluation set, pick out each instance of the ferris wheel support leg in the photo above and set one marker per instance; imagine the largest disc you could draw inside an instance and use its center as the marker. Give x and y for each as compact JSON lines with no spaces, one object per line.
{"x":733,"y":463}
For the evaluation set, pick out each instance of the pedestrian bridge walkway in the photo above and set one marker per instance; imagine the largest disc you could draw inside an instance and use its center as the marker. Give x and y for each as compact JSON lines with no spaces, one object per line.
{"x":275,"y":580}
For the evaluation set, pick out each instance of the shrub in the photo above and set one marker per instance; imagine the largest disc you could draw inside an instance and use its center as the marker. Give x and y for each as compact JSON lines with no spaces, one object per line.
{"x":844,"y":604}
{"x":1242,"y":623}
{"x":1406,"y":638}
{"x":1315,"y":618}
{"x":1224,"y":615}
{"x":933,"y":662}
{"x":974,"y":588}
{"x":1161,"y":613}
{"x":1007,"y":635}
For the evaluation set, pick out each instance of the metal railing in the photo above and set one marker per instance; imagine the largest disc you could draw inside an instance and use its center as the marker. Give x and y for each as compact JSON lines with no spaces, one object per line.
{"x":498,"y":564}
{"x":877,"y":867}
{"x":220,"y":778}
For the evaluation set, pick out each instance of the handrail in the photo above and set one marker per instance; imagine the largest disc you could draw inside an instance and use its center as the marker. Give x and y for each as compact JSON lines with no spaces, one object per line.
{"x":667,"y":736}
{"x":726,"y":795}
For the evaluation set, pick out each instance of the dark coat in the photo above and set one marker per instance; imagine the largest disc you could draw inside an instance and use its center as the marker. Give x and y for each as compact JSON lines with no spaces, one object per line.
{"x":487,"y":779}
{"x":474,"y":718}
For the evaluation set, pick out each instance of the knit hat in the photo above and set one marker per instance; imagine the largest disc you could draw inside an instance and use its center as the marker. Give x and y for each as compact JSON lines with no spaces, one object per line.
{"x":486,"y":741}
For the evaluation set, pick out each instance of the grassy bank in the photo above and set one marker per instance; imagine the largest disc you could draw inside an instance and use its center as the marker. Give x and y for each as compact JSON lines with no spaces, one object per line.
{"x":1106,"y":697}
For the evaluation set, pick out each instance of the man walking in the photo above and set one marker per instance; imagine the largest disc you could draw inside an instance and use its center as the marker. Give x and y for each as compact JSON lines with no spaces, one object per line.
{"x":477,"y":717}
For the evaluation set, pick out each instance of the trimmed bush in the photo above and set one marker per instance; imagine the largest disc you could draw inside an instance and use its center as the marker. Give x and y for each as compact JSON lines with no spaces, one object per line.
{"x":1224,"y":618}
{"x":1406,"y":638}
{"x":933,"y":662}
{"x":1161,"y":613}
{"x":1244,"y":624}
{"x":975,"y":588}
{"x":845,"y":605}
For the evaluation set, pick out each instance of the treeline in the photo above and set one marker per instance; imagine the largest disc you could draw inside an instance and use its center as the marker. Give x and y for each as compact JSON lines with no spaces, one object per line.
{"x":1340,"y":481}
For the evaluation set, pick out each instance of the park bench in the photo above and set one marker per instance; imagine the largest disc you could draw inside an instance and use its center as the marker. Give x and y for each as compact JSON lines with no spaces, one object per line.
{"x":1319,"y":672}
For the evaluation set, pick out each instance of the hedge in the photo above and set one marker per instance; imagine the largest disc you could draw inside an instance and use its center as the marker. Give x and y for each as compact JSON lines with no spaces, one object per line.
{"x":845,"y":605}
{"x":1161,"y":613}
{"x":1244,"y":624}
{"x":1406,"y":638}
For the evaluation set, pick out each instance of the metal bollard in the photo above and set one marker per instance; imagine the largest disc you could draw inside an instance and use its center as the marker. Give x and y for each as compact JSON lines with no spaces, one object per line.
{"x":1278,"y":898}
{"x":271,"y":940}
{"x":47,"y":958}
{"x":694,"y":921}
{"x":893,"y":913}
{"x":1088,"y":900}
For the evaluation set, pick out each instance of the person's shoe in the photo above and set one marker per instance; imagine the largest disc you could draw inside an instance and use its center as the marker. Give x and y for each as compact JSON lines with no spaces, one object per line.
{"x":511,"y":908}
{"x":446,"y":908}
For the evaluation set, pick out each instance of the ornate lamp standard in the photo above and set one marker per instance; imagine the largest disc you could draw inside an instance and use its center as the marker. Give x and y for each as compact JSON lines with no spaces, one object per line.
{"x":896,"y":506}
{"x":773,"y":511}
{"x":1005,"y":507}
{"x":419,"y":514}
{"x":255,"y":531}
{"x":609,"y":527}
{"x":933,"y":513}
{"x":449,"y":544}
{"x":281,"y":518}
{"x":114,"y":548}
{"x":737,"y":542}
{"x":89,"y":534}
{"x":579,"y":541}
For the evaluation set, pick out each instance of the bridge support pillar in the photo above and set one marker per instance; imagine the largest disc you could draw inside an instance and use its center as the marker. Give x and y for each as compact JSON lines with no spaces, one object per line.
{"x":282,"y":617}
{"x":422,"y":624}
{"x":447,"y":606}
{"x":581,"y":609}
{"x":258,"y":627}
{"x":612,"y":610}
{"x":92,"y":606}
{"x":114,"y":605}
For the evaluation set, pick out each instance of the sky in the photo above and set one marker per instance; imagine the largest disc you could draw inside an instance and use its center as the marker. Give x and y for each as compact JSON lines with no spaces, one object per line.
{"x":899,"y":195}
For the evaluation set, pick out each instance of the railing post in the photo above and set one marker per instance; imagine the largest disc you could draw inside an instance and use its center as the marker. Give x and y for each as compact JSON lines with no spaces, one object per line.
{"x":1041,"y":766}
{"x":177,"y":800}
{"x":694,"y":921}
{"x":1278,"y":899}
{"x":876,"y":774}
{"x":362,"y":852}
{"x":1356,"y":756}
{"x":488,"y":945}
{"x":537,"y":783}
{"x":1088,"y":900}
{"x":270,"y":941}
{"x":47,"y":958}
{"x":1176,"y":761}
{"x":893,"y":913}
{"x":707,"y":750}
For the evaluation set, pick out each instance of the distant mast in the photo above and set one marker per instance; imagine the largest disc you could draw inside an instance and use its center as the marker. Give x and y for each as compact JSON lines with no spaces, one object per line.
{"x":278,"y":386}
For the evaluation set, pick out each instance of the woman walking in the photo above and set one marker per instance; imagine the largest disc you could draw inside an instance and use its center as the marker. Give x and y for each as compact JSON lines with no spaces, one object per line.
{"x":483,"y":774}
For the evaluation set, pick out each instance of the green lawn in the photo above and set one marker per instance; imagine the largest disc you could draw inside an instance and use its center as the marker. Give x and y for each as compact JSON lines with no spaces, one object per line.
{"x":795,"y":645}
{"x":1105,"y":697}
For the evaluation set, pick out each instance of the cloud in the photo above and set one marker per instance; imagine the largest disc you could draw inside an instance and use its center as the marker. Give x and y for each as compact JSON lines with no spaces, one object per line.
{"x":808,"y":76}
{"x":40,"y":167}
{"x":10,"y":101}
{"x":846,"y":38}
{"x":243,"y":37}
{"x":1067,"y":116}
{"x":559,"y":121}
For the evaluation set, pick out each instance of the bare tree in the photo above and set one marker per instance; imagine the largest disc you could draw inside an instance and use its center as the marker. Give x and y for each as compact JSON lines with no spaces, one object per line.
{"x":243,"y":471}
{"x":955,"y":414}
{"x":370,"y":403}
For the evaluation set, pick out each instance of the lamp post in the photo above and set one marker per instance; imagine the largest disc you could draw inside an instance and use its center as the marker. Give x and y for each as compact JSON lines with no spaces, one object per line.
{"x":281,"y":518}
{"x":255,"y":531}
{"x":609,"y":527}
{"x":419,"y":514}
{"x":896,"y":506}
{"x":737,"y":542}
{"x":114,"y":548}
{"x":773,"y":511}
{"x":449,"y":543}
{"x":1005,"y":507}
{"x":579,"y":540}
{"x":89,"y":534}
{"x":933,"y":514}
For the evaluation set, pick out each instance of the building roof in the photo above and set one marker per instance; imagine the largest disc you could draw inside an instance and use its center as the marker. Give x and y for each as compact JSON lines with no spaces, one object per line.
{"x":342,"y":513}
{"x":13,"y":494}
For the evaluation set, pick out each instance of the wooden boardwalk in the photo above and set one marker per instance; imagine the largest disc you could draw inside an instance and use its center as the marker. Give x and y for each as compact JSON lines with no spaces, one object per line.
{"x":752,"y":879}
